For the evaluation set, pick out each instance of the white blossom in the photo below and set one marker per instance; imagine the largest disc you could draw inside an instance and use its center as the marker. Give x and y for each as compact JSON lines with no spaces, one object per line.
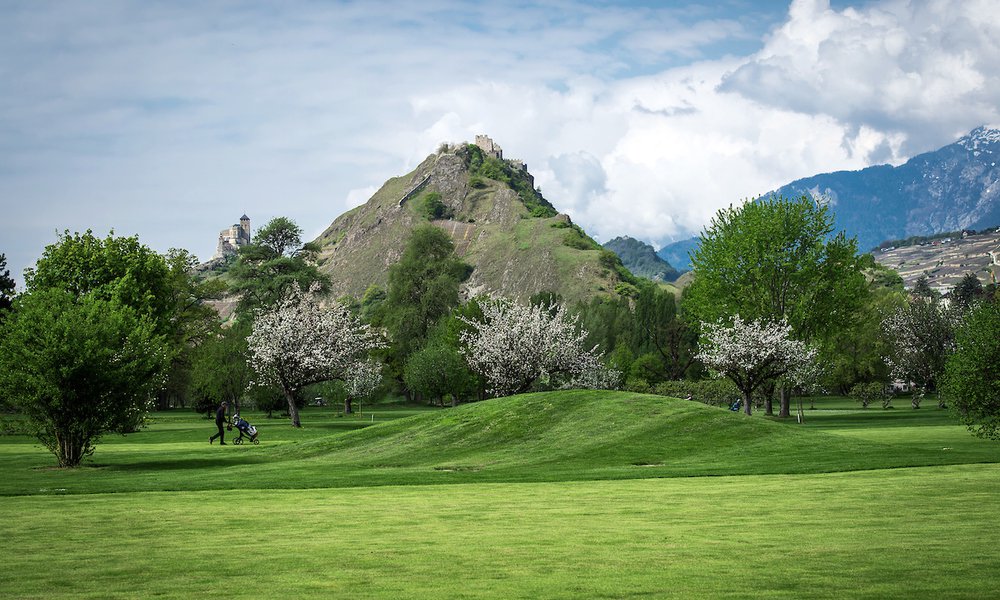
{"x":516,"y":345}
{"x":300,"y":342}
{"x":752,"y":352}
{"x":363,"y":378}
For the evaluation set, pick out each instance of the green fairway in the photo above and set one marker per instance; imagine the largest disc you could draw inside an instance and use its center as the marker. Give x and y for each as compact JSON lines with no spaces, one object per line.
{"x":562,"y":494}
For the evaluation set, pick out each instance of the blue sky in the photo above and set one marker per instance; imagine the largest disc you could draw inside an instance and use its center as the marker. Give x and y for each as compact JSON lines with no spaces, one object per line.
{"x":171,"y":119}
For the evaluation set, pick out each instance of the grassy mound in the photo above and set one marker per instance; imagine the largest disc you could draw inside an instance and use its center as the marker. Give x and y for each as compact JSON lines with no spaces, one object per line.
{"x":555,"y":436}
{"x":594,"y":435}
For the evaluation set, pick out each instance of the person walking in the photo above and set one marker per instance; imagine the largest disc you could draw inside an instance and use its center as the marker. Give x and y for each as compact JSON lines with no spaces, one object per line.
{"x":220,"y":420}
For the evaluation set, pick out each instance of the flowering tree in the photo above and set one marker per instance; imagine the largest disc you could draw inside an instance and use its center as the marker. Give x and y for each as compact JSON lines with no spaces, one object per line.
{"x":921,"y":335}
{"x":298,"y":343}
{"x":752,"y":352}
{"x":361,"y":381}
{"x":514,"y":346}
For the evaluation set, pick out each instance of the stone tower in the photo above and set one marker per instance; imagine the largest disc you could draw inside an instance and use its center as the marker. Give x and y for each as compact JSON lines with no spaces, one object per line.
{"x":233,"y":238}
{"x":245,"y":228}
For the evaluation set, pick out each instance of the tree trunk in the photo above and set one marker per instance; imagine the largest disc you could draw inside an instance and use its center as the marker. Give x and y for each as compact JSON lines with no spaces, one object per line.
{"x":293,"y":411}
{"x":347,"y":406}
{"x":786,"y":401}
{"x":746,"y":403}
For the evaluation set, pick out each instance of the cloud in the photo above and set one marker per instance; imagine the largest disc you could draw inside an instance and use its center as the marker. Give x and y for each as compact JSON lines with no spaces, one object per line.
{"x":171,"y":120}
{"x":926,"y":70}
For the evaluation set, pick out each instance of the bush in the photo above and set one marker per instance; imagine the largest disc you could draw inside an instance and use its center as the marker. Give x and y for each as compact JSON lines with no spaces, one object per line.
{"x":432,"y":207}
{"x":573,"y":239}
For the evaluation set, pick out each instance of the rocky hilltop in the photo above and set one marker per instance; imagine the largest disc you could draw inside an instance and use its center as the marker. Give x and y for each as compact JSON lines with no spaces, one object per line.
{"x":514,"y":239}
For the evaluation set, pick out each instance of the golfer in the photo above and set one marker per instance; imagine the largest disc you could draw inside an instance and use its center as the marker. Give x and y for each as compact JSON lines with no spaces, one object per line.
{"x":220,"y":420}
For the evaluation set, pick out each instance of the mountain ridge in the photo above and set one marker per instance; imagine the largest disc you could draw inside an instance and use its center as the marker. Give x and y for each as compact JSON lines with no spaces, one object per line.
{"x":952,"y":188}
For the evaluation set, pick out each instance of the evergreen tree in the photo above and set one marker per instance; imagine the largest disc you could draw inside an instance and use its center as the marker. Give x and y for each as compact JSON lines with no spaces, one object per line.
{"x":266,"y":269}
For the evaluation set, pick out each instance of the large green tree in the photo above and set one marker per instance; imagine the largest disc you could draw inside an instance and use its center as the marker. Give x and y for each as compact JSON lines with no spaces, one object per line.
{"x":194,"y":322}
{"x":972,"y":373}
{"x":423,"y":288}
{"x":277,"y":259}
{"x":78,"y":366}
{"x":219,"y":369}
{"x":113,"y":268}
{"x":776,"y":259}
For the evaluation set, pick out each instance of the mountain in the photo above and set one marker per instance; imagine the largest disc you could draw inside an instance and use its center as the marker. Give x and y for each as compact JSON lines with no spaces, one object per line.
{"x":677,"y":253}
{"x":949,"y":189}
{"x":516,"y":242}
{"x":640,"y":258}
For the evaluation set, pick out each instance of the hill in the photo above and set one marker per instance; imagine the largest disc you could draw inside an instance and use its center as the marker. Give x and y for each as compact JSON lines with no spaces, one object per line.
{"x":944,"y":260}
{"x":641,"y":259}
{"x":587,"y":434}
{"x":514,"y":239}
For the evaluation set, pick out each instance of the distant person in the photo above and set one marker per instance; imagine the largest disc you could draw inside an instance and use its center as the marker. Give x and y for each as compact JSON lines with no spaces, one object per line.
{"x":220,"y":420}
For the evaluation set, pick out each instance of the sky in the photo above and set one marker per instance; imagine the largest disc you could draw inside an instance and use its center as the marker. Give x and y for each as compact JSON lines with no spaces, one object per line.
{"x":171,"y":119}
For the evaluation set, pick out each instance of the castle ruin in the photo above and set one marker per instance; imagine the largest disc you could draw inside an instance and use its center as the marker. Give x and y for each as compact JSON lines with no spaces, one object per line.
{"x":493,"y":150}
{"x":233,"y":238}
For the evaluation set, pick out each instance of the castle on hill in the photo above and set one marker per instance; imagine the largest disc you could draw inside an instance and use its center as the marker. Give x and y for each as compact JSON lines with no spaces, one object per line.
{"x":493,"y":150}
{"x":233,"y":238}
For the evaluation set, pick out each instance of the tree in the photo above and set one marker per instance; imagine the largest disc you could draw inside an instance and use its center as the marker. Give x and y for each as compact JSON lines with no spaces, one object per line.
{"x":514,"y":346}
{"x":751,"y":353}
{"x":921,"y":335}
{"x":774,"y":260}
{"x":219,"y":369}
{"x":6,"y":287}
{"x":423,"y":287}
{"x":922,"y":289}
{"x":276,"y":261}
{"x":297,"y":343}
{"x":967,"y":292}
{"x":437,"y":370}
{"x":77,"y":367}
{"x":113,"y":268}
{"x":854,"y":353}
{"x":362,"y":381}
{"x":194,"y":322}
{"x":972,"y":376}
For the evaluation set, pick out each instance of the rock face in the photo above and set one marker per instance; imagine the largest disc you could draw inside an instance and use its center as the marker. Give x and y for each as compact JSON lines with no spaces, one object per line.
{"x":949,"y":189}
{"x":512,"y":253}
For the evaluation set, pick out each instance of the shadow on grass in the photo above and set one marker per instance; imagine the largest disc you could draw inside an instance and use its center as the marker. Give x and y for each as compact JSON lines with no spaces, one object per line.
{"x":178,"y":464}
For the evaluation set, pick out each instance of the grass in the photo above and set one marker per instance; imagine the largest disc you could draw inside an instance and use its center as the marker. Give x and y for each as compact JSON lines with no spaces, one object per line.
{"x":564,"y":494}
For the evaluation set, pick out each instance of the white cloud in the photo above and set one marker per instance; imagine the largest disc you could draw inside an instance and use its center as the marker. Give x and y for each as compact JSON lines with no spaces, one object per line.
{"x":172,"y":122}
{"x":925,"y":70}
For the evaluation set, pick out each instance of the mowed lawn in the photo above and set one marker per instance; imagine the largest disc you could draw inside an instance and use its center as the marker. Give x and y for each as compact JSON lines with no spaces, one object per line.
{"x":905,"y":532}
